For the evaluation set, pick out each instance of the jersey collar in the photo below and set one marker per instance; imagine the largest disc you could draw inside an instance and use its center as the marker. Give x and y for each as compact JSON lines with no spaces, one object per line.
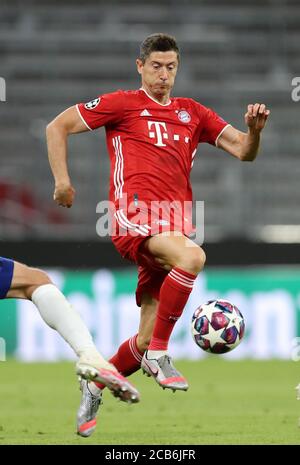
{"x":161,"y":104}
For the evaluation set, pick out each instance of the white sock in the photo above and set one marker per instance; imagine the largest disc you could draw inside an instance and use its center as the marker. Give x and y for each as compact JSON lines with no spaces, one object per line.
{"x":155,"y":354}
{"x":58,"y":313}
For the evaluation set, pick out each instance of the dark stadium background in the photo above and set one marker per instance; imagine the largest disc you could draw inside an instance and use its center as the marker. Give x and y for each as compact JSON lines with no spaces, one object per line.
{"x":54,"y":54}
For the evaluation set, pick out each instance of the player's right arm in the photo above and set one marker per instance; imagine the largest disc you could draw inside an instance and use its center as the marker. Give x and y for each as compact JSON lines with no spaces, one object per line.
{"x":104,"y":110}
{"x":66,"y":123}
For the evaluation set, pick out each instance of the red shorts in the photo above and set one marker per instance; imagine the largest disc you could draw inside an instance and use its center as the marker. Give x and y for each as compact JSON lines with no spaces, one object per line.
{"x":129,"y":239}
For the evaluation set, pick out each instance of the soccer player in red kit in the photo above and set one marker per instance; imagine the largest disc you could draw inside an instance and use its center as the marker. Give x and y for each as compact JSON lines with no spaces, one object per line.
{"x":152,"y":140}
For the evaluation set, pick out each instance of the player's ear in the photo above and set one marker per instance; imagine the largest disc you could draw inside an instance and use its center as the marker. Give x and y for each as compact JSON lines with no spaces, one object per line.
{"x":139,"y":65}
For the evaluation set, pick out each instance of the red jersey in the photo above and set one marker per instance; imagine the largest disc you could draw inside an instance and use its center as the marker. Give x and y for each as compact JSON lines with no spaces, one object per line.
{"x":151,"y":145}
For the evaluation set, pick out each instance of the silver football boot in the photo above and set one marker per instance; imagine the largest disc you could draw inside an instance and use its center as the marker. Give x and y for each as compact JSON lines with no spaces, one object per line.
{"x":164,"y":373}
{"x":91,"y":368}
{"x":88,"y":409}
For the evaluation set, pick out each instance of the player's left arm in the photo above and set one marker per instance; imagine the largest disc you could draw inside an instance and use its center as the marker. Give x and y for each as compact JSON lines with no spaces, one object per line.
{"x":245,"y":145}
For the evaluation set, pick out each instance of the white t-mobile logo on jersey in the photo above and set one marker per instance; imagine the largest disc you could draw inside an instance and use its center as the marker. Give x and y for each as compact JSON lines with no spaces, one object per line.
{"x":158,"y":126}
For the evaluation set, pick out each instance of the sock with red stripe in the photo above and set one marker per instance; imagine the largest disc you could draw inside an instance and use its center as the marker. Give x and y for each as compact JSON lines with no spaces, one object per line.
{"x":173,"y":296}
{"x":128,"y":358}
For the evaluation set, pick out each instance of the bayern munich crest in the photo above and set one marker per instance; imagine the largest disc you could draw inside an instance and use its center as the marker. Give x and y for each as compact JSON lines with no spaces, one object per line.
{"x":184,"y":116}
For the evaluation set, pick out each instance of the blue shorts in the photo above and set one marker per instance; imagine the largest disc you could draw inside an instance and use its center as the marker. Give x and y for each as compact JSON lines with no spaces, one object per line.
{"x":6,"y":275}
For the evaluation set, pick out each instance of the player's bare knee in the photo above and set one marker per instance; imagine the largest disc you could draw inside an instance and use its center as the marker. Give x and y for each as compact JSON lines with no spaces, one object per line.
{"x":43,"y":278}
{"x":37,"y":278}
{"x":193,"y":260}
{"x":198,"y":260}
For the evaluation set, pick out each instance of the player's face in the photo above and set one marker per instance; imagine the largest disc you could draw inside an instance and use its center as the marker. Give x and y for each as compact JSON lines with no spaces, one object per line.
{"x":159,"y":72}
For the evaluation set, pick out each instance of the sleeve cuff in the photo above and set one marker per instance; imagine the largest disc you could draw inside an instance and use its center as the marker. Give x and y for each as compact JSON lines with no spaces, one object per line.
{"x":82,"y":119}
{"x":220,"y":133}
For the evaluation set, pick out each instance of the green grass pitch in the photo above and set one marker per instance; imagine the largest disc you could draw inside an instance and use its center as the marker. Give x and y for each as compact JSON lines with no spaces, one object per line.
{"x":236,"y":402}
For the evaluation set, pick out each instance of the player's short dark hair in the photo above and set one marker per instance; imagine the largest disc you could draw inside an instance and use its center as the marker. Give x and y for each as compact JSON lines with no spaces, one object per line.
{"x":158,"y":42}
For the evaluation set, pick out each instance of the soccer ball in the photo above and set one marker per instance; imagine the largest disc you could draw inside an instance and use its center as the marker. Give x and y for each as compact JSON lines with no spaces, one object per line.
{"x":217,"y":326}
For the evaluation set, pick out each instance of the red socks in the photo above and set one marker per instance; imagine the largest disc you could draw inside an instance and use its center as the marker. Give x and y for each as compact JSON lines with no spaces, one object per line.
{"x":173,"y":296}
{"x":128,"y":358}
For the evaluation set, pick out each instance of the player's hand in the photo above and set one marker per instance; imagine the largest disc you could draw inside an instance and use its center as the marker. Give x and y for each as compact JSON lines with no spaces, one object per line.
{"x":256,"y":117}
{"x":64,"y":195}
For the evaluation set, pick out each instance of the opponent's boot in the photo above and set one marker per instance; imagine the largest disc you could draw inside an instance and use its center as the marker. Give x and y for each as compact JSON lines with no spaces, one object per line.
{"x":90,"y":368}
{"x":89,"y":405}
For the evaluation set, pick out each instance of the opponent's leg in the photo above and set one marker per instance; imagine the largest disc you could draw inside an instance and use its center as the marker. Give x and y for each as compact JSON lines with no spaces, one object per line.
{"x":34,"y":284}
{"x":186,"y":260}
{"x":56,"y":311}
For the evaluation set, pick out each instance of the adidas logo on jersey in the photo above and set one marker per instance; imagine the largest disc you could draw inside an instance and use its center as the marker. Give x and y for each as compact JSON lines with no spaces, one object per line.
{"x":145,"y":113}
